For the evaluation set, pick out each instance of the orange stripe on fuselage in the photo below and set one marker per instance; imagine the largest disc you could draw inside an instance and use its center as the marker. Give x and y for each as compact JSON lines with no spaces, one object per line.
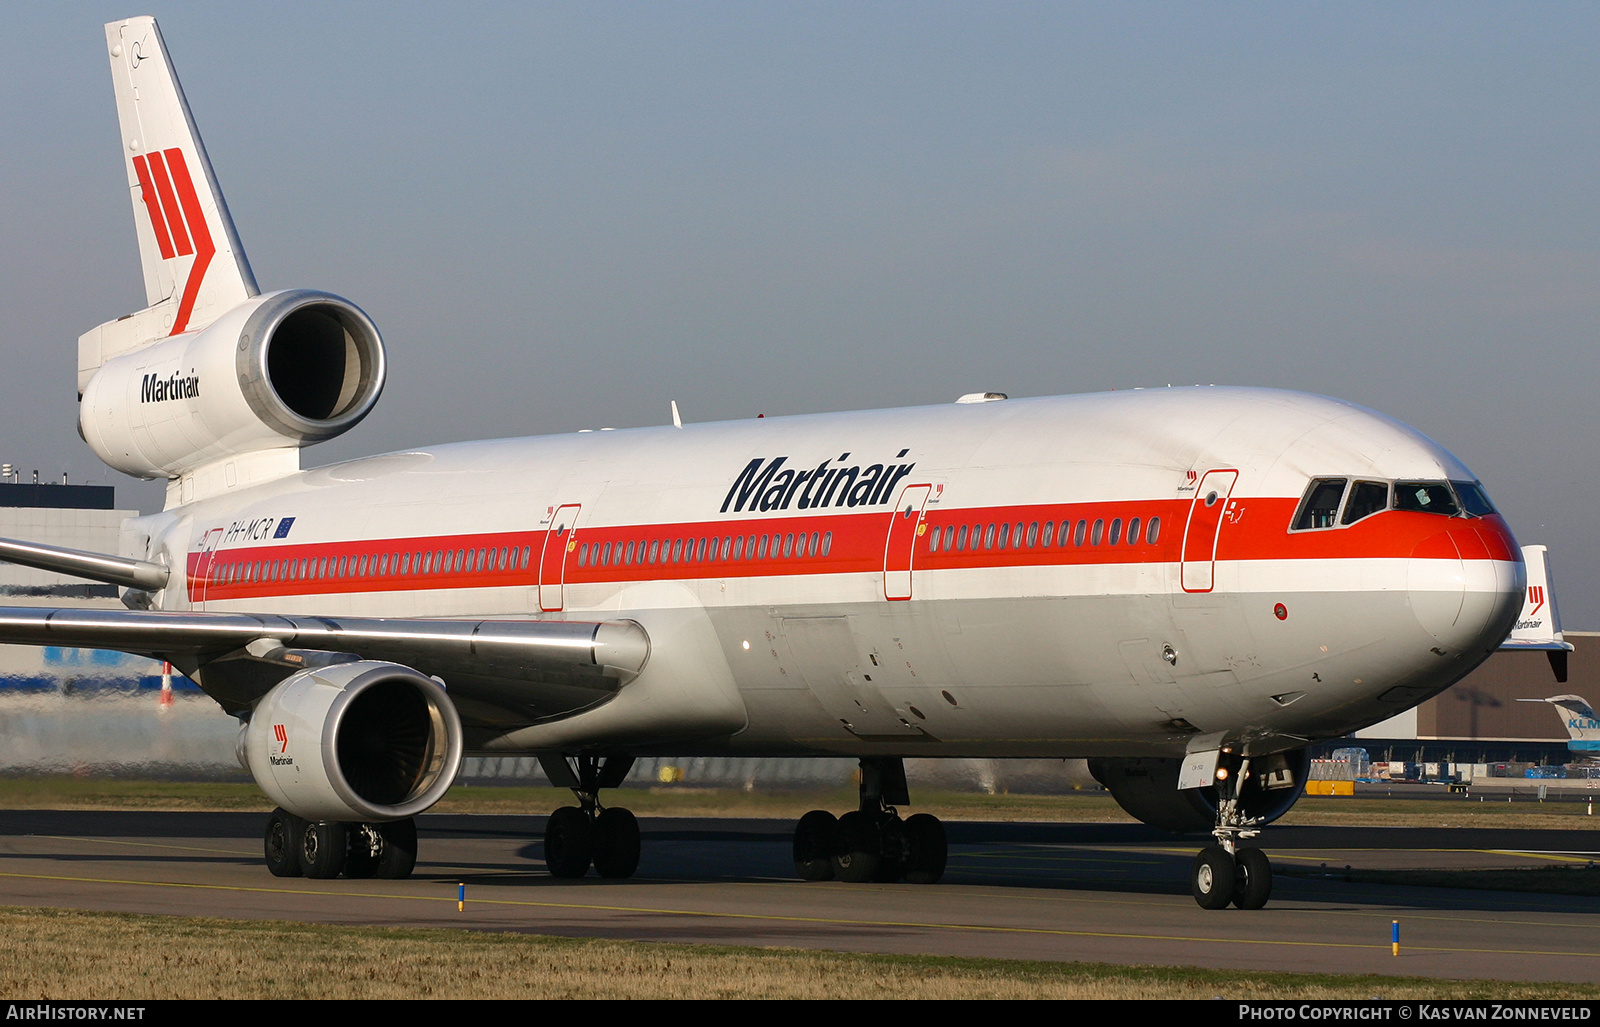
{"x":1252,"y":529}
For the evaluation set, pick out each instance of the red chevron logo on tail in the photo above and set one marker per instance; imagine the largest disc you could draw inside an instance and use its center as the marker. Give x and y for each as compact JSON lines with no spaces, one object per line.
{"x":177,"y":219}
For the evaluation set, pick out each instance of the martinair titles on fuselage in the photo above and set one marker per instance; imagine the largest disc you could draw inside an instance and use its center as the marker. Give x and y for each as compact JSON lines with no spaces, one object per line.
{"x":766,"y":485}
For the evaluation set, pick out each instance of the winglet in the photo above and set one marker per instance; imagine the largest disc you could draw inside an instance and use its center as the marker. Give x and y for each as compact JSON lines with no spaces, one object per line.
{"x":1539,"y":624}
{"x":194,"y":267}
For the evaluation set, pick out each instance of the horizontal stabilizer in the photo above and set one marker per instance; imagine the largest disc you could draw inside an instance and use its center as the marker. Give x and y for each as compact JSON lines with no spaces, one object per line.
{"x":1538,"y":626}
{"x":76,"y":563}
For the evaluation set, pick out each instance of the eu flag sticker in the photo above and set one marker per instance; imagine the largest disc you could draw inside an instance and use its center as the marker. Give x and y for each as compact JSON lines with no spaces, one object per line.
{"x":283,"y":528}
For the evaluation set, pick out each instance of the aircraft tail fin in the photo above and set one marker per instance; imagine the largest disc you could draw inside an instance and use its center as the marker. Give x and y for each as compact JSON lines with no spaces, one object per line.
{"x":1582,"y":723}
{"x":194,"y":267}
{"x":1539,"y":624}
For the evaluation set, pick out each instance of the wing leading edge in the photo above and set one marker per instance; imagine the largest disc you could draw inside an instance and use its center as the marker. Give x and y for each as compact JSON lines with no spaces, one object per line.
{"x":500,"y":673}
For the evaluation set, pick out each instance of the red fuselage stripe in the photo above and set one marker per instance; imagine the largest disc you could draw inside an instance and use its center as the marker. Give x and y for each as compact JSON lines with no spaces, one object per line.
{"x":1251,"y":529}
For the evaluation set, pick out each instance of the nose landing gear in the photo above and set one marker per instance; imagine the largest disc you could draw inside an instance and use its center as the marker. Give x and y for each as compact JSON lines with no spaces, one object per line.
{"x":872,"y":843}
{"x":1226,"y":872}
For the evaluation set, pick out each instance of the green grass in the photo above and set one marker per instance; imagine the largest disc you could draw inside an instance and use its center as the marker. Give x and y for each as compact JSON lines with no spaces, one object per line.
{"x":60,"y":954}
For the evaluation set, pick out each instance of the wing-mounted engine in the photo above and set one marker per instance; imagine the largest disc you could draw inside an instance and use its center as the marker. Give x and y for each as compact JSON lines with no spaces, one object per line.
{"x":280,"y":371}
{"x":353,"y":741}
{"x":1147,"y":788}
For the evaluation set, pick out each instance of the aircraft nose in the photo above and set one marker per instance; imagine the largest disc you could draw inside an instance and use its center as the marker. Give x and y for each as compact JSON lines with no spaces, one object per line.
{"x":1466,"y":584}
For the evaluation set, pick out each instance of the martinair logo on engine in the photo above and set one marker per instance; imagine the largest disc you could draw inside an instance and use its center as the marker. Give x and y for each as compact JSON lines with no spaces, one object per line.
{"x":156,"y":389}
{"x":768,"y":485}
{"x":281,"y":733}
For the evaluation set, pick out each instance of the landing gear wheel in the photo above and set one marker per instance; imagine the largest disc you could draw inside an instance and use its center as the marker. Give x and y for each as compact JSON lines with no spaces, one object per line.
{"x":928,"y":849}
{"x":1254,"y":885}
{"x":397,"y":855}
{"x":894,"y":851}
{"x":1215,"y":879}
{"x":857,"y":858}
{"x":568,"y":843}
{"x":616,"y":843}
{"x":322,"y":850}
{"x":366,"y":850}
{"x":282,"y":843}
{"x":815,"y":839}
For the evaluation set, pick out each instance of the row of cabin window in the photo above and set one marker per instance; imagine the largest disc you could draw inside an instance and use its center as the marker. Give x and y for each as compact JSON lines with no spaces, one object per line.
{"x":688,"y":550}
{"x":955,"y":539}
{"x":382,"y":565}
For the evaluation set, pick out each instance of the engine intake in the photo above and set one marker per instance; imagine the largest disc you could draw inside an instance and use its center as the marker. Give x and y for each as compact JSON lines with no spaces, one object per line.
{"x":310,"y":364}
{"x":359,"y":741}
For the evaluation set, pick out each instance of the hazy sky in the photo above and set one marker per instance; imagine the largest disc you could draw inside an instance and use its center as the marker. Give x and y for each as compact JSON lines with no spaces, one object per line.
{"x":566,"y":215}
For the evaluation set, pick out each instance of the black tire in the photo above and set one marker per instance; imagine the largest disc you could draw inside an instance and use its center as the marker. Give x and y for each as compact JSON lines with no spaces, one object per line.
{"x":1254,"y":885}
{"x":894,"y":851}
{"x":928,"y":849}
{"x":1215,"y":878}
{"x":365,"y":851}
{"x":282,"y":843}
{"x":616,"y":843}
{"x":322,"y":850}
{"x":397,"y":855}
{"x":857,"y":857}
{"x":568,"y":843}
{"x":816,"y":837}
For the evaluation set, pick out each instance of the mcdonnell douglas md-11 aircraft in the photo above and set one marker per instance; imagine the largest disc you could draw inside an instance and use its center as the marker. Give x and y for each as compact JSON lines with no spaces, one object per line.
{"x":1187,"y":586}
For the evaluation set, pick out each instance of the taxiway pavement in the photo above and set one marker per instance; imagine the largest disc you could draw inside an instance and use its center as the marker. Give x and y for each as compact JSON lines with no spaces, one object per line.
{"x":1090,"y":892}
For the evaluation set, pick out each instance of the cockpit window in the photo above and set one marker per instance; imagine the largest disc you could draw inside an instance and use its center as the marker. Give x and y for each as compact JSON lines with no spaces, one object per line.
{"x":1425,"y":497}
{"x":1473,"y":499}
{"x":1320,"y":508}
{"x":1366,"y":499}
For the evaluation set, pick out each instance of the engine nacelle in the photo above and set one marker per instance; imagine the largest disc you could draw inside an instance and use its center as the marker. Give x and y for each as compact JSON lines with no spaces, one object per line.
{"x":1147,"y":788}
{"x":360,"y":741}
{"x":281,"y":371}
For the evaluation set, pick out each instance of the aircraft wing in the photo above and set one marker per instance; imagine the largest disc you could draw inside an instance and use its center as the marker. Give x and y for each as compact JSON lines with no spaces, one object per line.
{"x":500,"y":673}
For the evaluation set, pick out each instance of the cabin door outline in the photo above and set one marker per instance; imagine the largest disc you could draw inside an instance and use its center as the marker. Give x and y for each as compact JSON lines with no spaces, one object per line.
{"x":560,"y":540}
{"x":1198,"y":563}
{"x":204,"y":560}
{"x":907,"y":525}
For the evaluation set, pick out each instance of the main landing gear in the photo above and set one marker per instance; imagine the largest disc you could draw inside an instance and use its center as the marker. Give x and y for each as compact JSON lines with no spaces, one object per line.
{"x":576,"y":837}
{"x":297,"y":847}
{"x":872,"y":843}
{"x":1227,"y":872}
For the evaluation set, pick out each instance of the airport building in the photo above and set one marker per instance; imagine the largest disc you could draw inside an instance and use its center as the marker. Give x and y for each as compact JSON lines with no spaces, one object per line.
{"x":1479,"y":719}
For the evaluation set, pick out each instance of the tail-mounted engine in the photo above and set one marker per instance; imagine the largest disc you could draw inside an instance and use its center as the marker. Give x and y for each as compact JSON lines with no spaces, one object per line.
{"x":1147,"y":788}
{"x":359,"y":741}
{"x":280,"y":371}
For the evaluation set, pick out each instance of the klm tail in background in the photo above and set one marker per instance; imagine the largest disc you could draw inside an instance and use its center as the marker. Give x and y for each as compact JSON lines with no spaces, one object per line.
{"x":1583,"y":726}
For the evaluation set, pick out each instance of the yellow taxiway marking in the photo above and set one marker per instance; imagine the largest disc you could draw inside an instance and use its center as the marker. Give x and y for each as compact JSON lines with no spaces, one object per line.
{"x":790,"y":918}
{"x":146,"y":845}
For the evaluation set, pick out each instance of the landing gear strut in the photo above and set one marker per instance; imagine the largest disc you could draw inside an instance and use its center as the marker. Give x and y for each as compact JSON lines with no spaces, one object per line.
{"x":871,"y":842}
{"x":577,"y":837}
{"x":296,"y":847}
{"x":1227,"y":872}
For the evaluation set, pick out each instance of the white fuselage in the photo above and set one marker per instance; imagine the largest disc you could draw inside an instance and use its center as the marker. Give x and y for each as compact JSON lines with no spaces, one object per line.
{"x":922,"y":597}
